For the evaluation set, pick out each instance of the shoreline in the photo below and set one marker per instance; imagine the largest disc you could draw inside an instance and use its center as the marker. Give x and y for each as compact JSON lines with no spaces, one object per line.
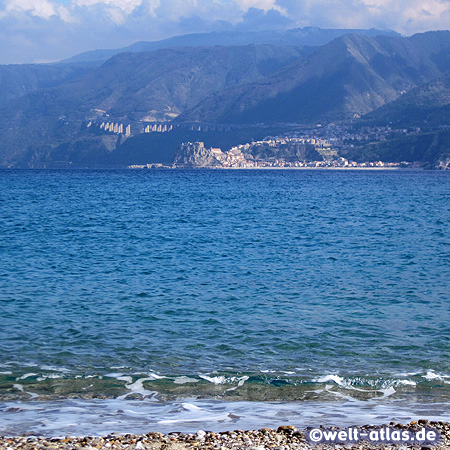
{"x":317,"y":168}
{"x":278,"y":168}
{"x":129,"y":168}
{"x":286,"y":437}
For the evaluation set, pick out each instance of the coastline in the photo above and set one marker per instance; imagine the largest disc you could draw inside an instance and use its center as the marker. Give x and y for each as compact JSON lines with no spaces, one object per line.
{"x":277,"y":168}
{"x":317,"y":168}
{"x":286,"y":437}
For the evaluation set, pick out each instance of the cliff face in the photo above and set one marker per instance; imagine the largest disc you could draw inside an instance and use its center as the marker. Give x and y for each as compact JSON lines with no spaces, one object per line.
{"x":444,"y":163}
{"x":195,"y":155}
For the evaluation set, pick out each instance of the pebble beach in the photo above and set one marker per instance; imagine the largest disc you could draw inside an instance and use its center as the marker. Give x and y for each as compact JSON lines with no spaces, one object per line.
{"x":286,"y":437}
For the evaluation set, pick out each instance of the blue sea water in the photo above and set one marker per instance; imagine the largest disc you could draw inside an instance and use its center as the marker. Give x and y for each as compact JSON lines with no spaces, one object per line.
{"x":172,"y":300}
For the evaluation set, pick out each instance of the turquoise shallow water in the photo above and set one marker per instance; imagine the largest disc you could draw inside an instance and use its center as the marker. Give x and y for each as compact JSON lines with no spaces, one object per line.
{"x":242,"y":286}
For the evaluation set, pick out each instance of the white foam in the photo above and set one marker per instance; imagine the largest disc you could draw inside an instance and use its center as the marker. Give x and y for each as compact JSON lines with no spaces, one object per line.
{"x":242,"y":380}
{"x":193,"y":413}
{"x":27,"y":375}
{"x":184,"y":380}
{"x":338,"y":394}
{"x":215,"y":380}
{"x":387,"y":392}
{"x":127,"y":379}
{"x":155,"y":376}
{"x":376,"y":385}
{"x":137,"y":413}
{"x":21,"y":364}
{"x":191,"y":407}
{"x":55,"y":369}
{"x":20,"y":388}
{"x":325,"y":379}
{"x":224,"y":380}
{"x":218,"y":418}
{"x":433,"y":376}
{"x":340,"y":381}
{"x":49,"y":376}
{"x":73,"y":417}
{"x":406,"y":383}
{"x":137,"y":387}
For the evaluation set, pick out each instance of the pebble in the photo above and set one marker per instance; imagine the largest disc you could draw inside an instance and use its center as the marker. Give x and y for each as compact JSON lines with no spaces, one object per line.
{"x":200,"y":435}
{"x":286,"y":437}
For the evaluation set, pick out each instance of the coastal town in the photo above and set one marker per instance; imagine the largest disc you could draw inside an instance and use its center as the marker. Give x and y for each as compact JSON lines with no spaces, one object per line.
{"x":322,"y":146}
{"x":318,"y":148}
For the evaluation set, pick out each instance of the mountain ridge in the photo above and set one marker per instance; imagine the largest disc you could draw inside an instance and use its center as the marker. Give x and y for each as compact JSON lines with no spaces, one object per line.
{"x":308,"y":36}
{"x":359,"y":72}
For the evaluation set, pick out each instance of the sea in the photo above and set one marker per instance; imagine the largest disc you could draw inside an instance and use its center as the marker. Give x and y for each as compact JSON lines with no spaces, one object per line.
{"x":134,"y":301}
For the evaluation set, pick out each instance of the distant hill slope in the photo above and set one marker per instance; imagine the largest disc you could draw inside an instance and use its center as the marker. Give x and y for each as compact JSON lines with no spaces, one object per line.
{"x":351,"y":75}
{"x":436,"y":44}
{"x":133,"y":85}
{"x":432,"y":149}
{"x":17,"y":80}
{"x":298,"y":37}
{"x":426,"y":106}
{"x":130,"y":87}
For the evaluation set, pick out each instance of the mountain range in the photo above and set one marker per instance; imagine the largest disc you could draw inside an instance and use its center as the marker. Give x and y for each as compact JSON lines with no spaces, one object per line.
{"x":301,"y":76}
{"x":297,"y":37}
{"x":346,"y":78}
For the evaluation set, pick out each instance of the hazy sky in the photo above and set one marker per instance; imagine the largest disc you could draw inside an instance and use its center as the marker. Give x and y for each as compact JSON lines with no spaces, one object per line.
{"x":47,"y":30}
